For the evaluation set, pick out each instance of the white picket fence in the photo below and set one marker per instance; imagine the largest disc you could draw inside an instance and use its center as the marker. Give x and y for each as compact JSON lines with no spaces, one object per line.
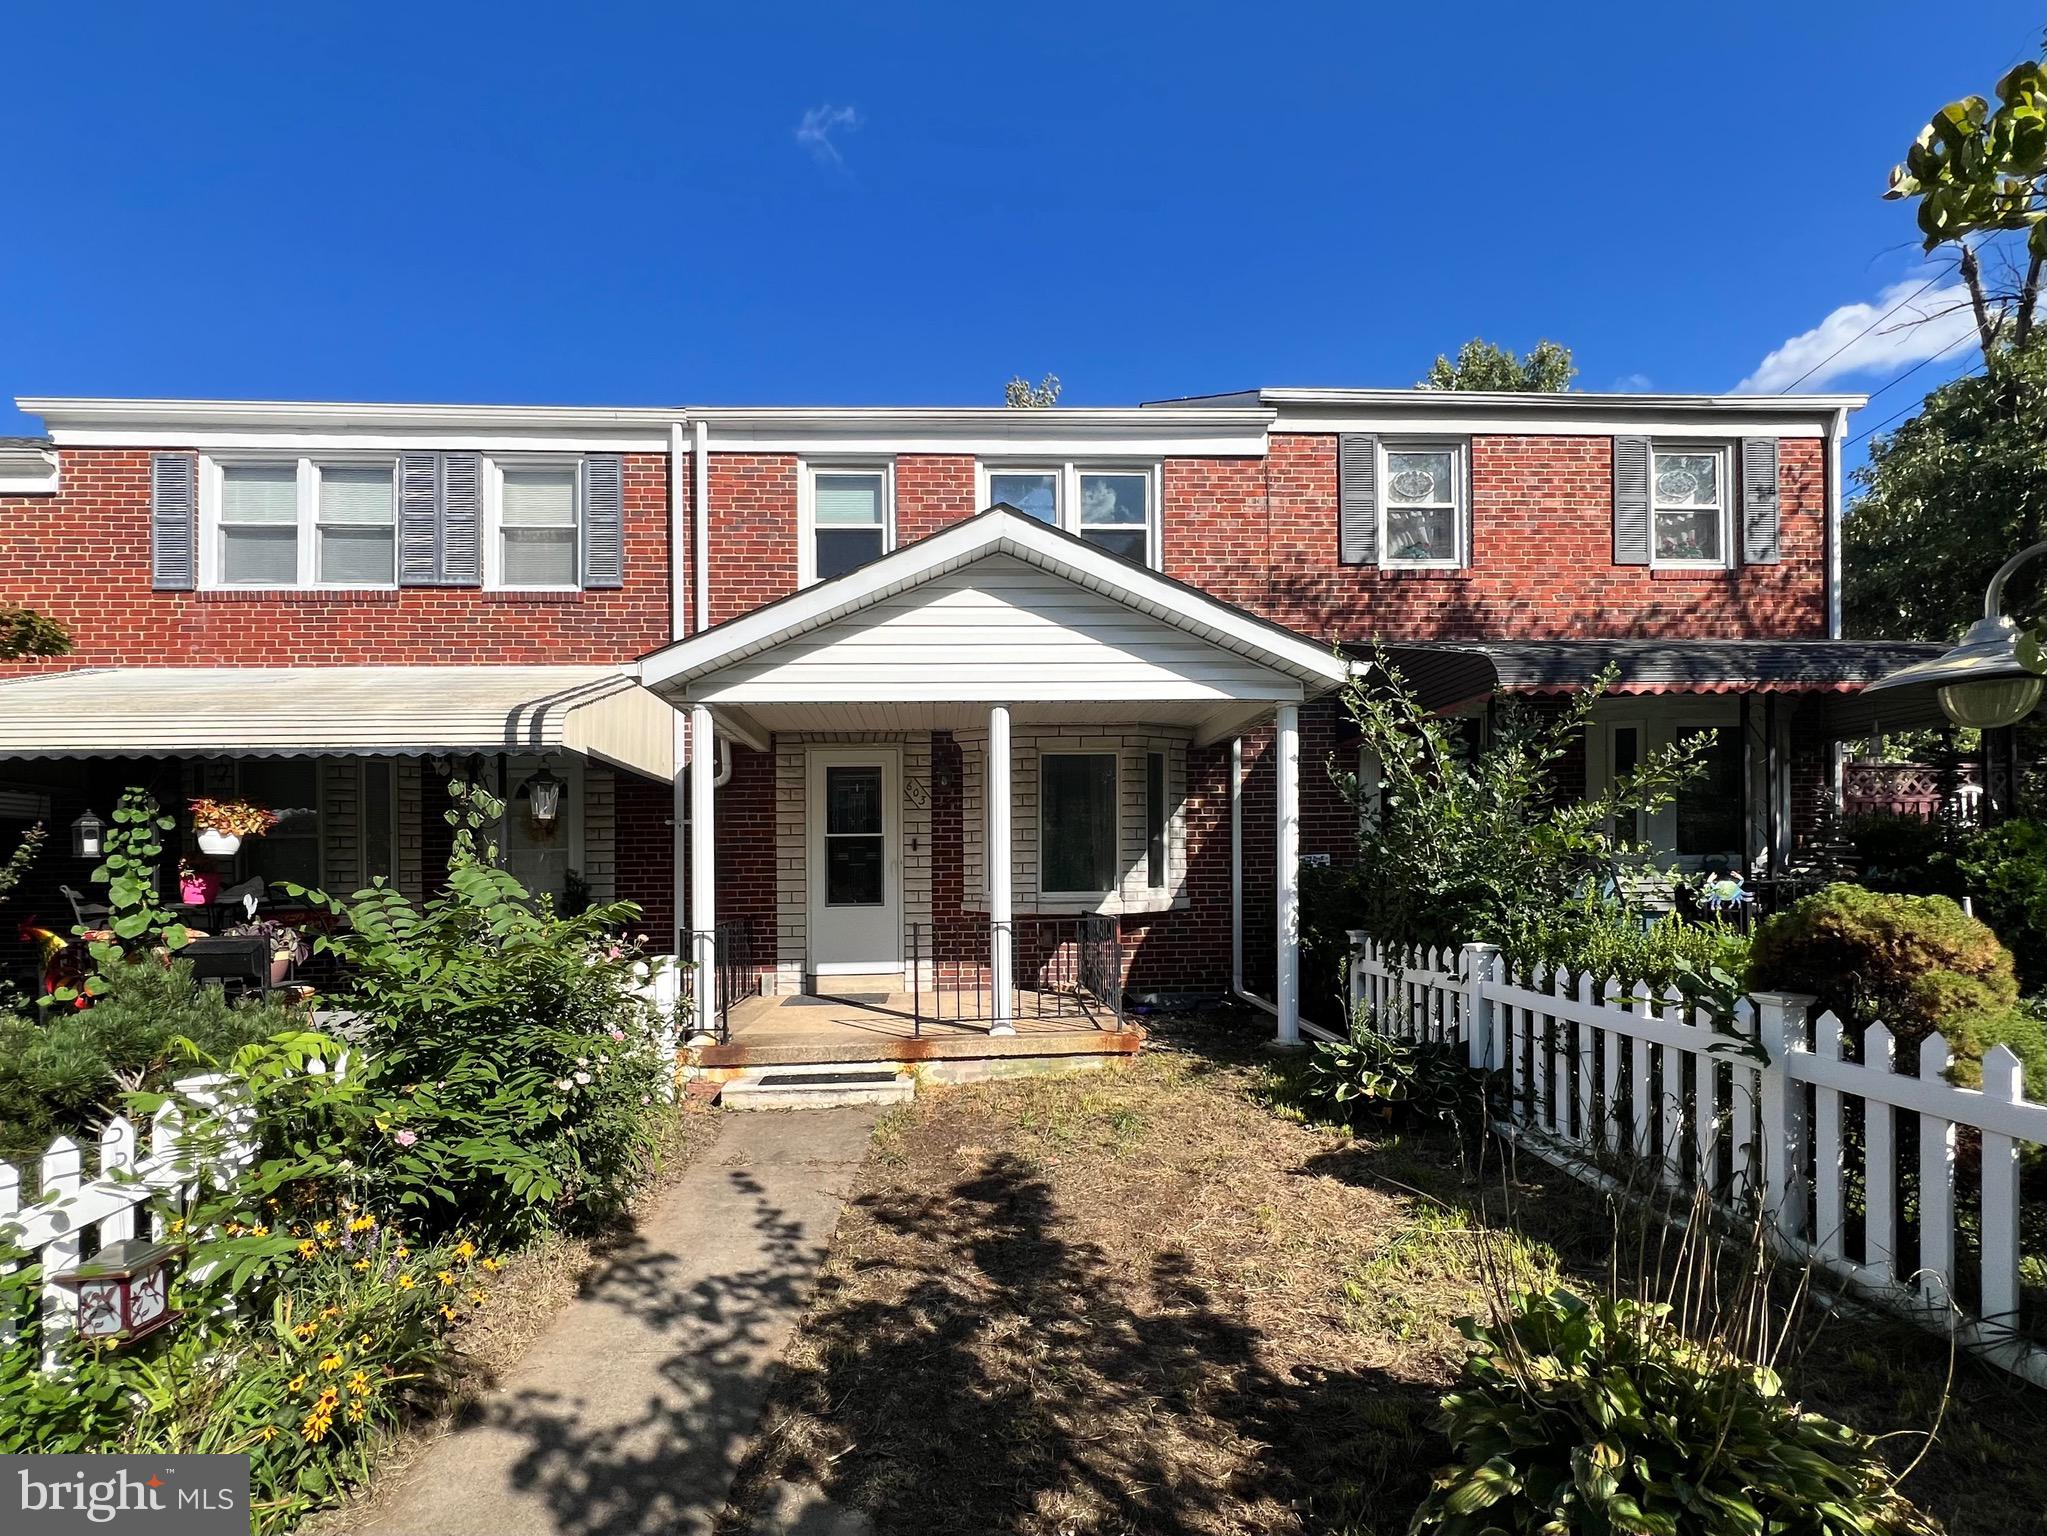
{"x":127,"y":1177}
{"x":1763,"y":1105}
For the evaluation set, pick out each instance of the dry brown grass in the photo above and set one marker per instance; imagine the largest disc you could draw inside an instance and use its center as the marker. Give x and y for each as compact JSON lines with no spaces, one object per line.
{"x":1147,"y":1302}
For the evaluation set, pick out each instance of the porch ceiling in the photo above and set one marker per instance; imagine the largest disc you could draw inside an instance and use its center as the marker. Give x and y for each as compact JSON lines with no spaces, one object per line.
{"x":317,"y":711}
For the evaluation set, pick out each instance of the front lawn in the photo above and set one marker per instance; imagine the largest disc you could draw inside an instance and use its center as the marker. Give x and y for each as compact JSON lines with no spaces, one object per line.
{"x":1149,"y":1302}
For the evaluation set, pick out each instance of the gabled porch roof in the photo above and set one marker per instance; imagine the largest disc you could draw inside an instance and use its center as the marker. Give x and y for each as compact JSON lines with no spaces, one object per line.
{"x":998,"y":609}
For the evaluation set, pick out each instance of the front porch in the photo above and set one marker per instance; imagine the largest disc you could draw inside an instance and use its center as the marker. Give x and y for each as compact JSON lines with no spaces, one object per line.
{"x":983,"y":752}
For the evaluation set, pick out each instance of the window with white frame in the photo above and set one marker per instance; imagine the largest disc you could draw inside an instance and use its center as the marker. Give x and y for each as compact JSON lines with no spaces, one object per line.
{"x":846,"y":512}
{"x":305,"y":523}
{"x":535,"y":540}
{"x":1688,"y":506}
{"x":1422,"y":504}
{"x":1076,"y":824}
{"x":1114,"y":508}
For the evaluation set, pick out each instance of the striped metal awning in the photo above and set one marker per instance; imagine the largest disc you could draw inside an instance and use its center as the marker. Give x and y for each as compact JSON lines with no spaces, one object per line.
{"x":598,"y":711}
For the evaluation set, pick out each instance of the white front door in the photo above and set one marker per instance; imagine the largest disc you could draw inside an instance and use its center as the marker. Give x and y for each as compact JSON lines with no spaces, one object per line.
{"x":855,"y":861}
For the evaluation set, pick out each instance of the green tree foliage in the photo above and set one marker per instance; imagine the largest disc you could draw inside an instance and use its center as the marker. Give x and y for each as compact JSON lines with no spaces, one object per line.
{"x":1020,"y":394}
{"x":1946,"y":499}
{"x":1461,"y":846}
{"x":24,"y":632}
{"x":1547,"y":369}
{"x":1978,"y":172}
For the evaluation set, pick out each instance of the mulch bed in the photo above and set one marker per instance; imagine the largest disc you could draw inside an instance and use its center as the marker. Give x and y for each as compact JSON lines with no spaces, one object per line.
{"x":1147,"y":1302}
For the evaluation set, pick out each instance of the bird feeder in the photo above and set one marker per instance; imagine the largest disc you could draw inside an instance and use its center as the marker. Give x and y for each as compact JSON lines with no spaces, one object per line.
{"x":124,"y":1290}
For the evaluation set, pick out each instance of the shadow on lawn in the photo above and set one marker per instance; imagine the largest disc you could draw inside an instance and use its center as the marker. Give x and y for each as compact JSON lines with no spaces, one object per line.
{"x":1013,"y":1382}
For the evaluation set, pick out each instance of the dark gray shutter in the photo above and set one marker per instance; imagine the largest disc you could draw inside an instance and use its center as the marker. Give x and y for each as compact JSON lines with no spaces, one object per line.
{"x":1759,"y":541}
{"x":174,"y":522}
{"x":1357,"y":498}
{"x":419,"y":520}
{"x":461,"y":519}
{"x":1631,"y":501}
{"x":603,"y":520}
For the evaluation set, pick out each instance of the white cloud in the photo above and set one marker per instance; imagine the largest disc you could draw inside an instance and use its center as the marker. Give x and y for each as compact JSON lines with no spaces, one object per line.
{"x":815,"y":132}
{"x":1847,"y":342}
{"x":1633,"y":383}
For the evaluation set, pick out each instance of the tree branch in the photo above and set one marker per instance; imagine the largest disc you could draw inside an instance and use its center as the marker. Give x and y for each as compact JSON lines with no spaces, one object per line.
{"x":2029,"y":300}
{"x":1986,"y":326}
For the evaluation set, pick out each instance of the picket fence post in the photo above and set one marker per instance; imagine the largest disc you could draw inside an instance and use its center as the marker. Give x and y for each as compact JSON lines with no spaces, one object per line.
{"x":1359,"y":939}
{"x":1478,"y":962}
{"x":1780,"y":1019}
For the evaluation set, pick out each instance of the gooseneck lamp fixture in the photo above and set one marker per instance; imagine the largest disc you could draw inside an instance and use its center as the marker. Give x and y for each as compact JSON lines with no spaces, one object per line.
{"x":1994,"y":677}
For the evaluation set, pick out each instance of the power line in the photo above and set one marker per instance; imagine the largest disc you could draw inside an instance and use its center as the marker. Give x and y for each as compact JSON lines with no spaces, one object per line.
{"x":1879,"y":320}
{"x":1905,"y":411}
{"x":1968,"y":335}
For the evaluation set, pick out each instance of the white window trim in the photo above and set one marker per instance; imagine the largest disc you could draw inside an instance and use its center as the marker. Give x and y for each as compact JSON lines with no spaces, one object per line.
{"x":306,"y":491}
{"x":1066,"y":491}
{"x":806,"y":507}
{"x":1724,"y":453}
{"x":494,"y":468}
{"x":1459,"y":450}
{"x":1114,"y":887}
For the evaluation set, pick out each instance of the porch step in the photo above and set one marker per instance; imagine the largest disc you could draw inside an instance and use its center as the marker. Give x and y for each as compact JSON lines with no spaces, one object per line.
{"x":823,"y":1085}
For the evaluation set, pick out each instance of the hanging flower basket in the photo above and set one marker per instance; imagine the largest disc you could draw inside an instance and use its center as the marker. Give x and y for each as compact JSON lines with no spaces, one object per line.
{"x":222,"y":824}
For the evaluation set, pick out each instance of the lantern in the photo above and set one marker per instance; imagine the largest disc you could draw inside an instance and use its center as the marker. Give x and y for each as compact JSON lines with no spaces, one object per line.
{"x":124,"y":1290}
{"x":88,"y":837}
{"x":543,"y":794}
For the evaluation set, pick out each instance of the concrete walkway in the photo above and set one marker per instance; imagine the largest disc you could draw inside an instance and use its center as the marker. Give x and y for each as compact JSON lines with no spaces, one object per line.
{"x":629,"y":1414}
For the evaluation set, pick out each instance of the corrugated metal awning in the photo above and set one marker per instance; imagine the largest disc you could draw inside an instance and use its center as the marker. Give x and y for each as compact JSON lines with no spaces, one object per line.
{"x":598,"y":711}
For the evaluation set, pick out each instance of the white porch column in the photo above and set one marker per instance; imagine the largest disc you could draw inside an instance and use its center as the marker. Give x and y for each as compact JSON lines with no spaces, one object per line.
{"x":1287,"y":839}
{"x":1001,"y":941}
{"x":703,"y":860}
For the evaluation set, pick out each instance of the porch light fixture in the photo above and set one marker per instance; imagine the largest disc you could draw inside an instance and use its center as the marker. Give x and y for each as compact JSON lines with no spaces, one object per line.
{"x":124,"y":1290}
{"x":88,"y":837}
{"x":1996,"y":676}
{"x":543,"y":794}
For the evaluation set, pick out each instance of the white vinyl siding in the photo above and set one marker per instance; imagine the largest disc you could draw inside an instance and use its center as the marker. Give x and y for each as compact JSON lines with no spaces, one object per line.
{"x":999,"y":629}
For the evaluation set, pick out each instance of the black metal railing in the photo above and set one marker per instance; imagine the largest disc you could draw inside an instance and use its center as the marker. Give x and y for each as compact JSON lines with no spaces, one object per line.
{"x":1060,"y":968}
{"x":734,"y":976}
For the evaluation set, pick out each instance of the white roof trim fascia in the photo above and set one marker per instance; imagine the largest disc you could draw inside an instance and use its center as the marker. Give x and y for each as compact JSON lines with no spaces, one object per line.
{"x":1538,"y":401}
{"x":995,"y":533}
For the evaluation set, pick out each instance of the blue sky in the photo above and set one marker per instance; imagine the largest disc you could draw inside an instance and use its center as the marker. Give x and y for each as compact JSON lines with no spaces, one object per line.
{"x":858,"y":204}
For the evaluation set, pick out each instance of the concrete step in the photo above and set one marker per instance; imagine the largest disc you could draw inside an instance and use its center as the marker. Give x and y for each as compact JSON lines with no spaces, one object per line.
{"x":819,"y":1085}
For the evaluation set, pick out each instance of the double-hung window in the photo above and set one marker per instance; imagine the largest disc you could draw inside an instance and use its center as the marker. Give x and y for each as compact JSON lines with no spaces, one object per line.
{"x":1422,"y":505}
{"x":846,"y":512}
{"x":1113,"y":508}
{"x":536,"y":526}
{"x":306,"y":523}
{"x":1688,"y":506}
{"x":1076,"y":824}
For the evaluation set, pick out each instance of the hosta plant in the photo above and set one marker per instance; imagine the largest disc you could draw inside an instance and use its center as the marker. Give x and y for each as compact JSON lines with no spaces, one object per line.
{"x":1607,"y":1419}
{"x":1374,"y":1077}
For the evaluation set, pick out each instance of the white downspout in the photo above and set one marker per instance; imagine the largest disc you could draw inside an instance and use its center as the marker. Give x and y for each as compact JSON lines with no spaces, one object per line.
{"x":1834,"y":515}
{"x":682,"y":608}
{"x":700,"y":467}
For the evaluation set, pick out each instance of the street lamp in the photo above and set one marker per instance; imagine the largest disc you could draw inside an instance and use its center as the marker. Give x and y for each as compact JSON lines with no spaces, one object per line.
{"x":1994,"y":677}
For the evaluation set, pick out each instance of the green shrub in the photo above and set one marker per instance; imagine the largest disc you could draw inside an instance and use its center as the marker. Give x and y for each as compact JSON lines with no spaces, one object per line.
{"x":63,"y":1070}
{"x":1607,"y":1419}
{"x":1917,"y":963}
{"x":511,"y":1077}
{"x":1378,"y":1079}
{"x":2004,"y":869}
{"x":1610,"y":940}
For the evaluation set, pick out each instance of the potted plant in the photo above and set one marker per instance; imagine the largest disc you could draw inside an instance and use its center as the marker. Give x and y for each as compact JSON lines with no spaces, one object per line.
{"x":288,"y":947}
{"x":222,"y":824}
{"x":196,"y":887}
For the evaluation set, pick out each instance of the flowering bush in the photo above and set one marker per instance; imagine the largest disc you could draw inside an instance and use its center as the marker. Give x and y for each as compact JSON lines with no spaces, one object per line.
{"x":512,"y":1075}
{"x":237,"y":818}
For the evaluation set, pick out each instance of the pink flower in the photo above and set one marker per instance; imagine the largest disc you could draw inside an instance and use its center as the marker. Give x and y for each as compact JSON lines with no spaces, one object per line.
{"x":406,"y":1138}
{"x":615,"y":1032}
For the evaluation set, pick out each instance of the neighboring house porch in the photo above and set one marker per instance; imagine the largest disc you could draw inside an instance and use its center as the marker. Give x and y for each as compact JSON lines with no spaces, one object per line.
{"x":1068,"y":691}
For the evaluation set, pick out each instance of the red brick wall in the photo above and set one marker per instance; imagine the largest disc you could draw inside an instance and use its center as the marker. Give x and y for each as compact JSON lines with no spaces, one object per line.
{"x":82,"y":557}
{"x":1541,"y":559}
{"x":933,"y":491}
{"x":753,"y":531}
